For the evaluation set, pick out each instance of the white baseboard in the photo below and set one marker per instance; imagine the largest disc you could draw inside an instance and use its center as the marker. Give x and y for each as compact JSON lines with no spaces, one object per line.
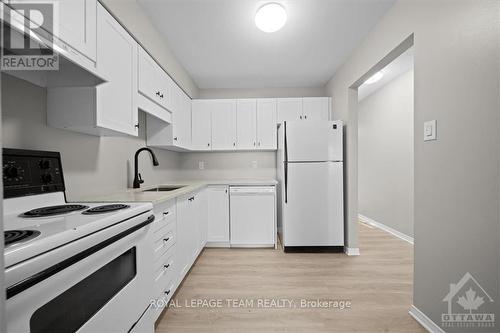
{"x":381,"y":226}
{"x":425,"y":321}
{"x":351,"y":251}
{"x":218,"y":244}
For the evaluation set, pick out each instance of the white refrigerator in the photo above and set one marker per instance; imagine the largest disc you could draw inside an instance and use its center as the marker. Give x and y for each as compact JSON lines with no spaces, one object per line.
{"x":311,"y":191}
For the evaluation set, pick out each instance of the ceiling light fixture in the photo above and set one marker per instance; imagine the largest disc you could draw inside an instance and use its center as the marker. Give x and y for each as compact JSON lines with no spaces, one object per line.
{"x":271,"y":17}
{"x":375,"y":78}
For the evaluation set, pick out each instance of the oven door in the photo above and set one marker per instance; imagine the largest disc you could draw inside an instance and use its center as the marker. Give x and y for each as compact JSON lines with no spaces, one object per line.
{"x":102,"y":285}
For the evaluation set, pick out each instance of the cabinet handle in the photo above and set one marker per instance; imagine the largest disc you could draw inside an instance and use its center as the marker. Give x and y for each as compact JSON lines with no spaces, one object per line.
{"x":166,"y":239}
{"x":166,"y":213}
{"x":254,"y":144}
{"x":234,"y":144}
{"x":175,"y":139}
{"x":136,"y":125}
{"x":167,"y":292}
{"x":191,"y":199}
{"x":157,"y":93}
{"x":166,"y":266}
{"x":300,"y":117}
{"x":208,"y":144}
{"x":161,"y":96}
{"x":305,"y":117}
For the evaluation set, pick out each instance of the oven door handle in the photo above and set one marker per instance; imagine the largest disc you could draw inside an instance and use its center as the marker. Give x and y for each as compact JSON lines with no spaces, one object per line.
{"x":52,"y":270}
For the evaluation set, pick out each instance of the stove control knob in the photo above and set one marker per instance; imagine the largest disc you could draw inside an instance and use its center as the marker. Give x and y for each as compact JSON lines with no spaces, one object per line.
{"x":44,"y":164}
{"x":10,"y":171}
{"x":47,"y":178}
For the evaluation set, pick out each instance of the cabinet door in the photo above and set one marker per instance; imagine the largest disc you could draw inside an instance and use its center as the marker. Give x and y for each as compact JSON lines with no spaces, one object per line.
{"x":202,"y":212}
{"x":184,"y":122}
{"x":218,"y":214}
{"x":289,"y":109}
{"x":316,"y":108}
{"x":154,"y":83}
{"x":76,"y":23}
{"x":117,"y":53}
{"x":246,"y":126}
{"x":224,"y":124}
{"x":266,"y":124}
{"x":201,"y":136}
{"x":183,"y":237}
{"x":177,"y":115}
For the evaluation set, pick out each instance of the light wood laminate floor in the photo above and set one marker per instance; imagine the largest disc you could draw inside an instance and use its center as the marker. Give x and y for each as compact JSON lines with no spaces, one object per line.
{"x":378,"y":283}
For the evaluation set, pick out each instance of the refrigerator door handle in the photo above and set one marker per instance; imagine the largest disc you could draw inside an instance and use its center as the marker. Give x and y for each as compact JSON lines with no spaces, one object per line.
{"x":285,"y":162}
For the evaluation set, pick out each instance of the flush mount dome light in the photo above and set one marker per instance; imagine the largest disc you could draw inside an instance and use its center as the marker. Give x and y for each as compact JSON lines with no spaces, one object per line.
{"x":375,"y":78}
{"x":271,"y":17}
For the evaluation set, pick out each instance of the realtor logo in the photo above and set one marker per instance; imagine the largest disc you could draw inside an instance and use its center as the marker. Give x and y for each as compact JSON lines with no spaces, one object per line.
{"x":469,"y":305}
{"x":27,"y":30}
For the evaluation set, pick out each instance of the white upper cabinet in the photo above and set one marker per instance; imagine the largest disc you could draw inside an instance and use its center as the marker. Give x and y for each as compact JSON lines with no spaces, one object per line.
{"x":75,"y":25}
{"x":110,"y":108}
{"x":223,"y":124}
{"x":289,"y":109}
{"x":246,"y":119}
{"x":201,"y":120}
{"x":155,"y":88}
{"x":316,"y":108}
{"x":182,"y":120}
{"x":266,"y":123}
{"x":307,"y":108}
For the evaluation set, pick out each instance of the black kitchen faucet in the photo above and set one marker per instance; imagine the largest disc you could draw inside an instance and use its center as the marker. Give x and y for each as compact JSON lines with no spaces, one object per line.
{"x":137,"y":176}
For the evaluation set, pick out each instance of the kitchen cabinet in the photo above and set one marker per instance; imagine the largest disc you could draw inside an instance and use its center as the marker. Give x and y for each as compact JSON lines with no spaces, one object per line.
{"x":289,"y":109}
{"x":246,"y":124}
{"x":177,"y":134}
{"x":316,"y":108}
{"x":76,"y":25}
{"x":218,"y":215}
{"x":307,"y":108}
{"x":223,"y":124}
{"x":201,"y":118}
{"x":266,"y":124}
{"x":110,"y":108}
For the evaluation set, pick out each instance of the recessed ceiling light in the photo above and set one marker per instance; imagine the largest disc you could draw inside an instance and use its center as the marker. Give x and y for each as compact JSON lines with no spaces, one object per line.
{"x":271,"y":17}
{"x":375,"y":78}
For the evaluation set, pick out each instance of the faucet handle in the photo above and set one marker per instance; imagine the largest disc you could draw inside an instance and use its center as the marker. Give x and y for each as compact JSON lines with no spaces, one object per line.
{"x":140,"y":178}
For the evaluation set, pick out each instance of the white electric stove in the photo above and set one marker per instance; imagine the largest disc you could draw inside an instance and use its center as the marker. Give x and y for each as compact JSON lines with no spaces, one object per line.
{"x":62,"y":256}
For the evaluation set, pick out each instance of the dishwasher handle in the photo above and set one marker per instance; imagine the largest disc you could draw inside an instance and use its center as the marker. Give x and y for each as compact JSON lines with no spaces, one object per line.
{"x":251,"y":189}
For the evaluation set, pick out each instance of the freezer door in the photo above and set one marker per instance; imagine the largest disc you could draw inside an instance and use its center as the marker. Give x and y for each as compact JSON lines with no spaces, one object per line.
{"x":313,"y":213}
{"x":312,"y":140}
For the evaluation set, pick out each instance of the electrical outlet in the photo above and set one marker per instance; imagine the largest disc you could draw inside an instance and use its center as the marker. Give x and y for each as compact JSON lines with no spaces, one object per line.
{"x":201,"y":165}
{"x":254,"y":164}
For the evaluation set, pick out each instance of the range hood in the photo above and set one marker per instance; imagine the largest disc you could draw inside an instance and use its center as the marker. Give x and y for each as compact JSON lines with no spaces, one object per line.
{"x":75,"y":70}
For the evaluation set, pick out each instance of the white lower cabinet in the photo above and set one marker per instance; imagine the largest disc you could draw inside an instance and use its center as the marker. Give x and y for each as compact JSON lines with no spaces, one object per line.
{"x":218,"y":216}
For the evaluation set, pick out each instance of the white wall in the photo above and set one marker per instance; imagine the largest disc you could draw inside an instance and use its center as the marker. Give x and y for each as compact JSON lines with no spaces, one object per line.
{"x":135,"y":19}
{"x":385,"y":156}
{"x":92,"y":165}
{"x":457,"y":177}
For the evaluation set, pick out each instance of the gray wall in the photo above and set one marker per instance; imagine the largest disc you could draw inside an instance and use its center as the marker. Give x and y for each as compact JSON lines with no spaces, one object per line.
{"x":92,"y":165}
{"x":457,"y":177}
{"x":385,"y":160}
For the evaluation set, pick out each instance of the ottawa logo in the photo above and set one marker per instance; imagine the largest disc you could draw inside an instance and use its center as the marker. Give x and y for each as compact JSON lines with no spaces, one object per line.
{"x":469,"y":305}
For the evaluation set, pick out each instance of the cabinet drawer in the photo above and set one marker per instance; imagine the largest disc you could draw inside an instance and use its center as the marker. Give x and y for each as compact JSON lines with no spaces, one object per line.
{"x":163,"y":243}
{"x":164,"y":214}
{"x":164,"y":272}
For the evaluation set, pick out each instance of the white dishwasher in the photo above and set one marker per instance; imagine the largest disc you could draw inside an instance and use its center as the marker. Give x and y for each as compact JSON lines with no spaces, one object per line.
{"x":253,"y":216}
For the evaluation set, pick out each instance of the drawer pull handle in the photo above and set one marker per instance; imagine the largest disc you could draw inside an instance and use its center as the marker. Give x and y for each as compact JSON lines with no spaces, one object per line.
{"x":166,"y":213}
{"x":166,"y":266}
{"x":167,"y":292}
{"x":166,"y":239}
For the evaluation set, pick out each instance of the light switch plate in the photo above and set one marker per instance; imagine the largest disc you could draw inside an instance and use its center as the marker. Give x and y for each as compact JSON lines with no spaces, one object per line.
{"x":201,"y":165}
{"x":430,"y":130}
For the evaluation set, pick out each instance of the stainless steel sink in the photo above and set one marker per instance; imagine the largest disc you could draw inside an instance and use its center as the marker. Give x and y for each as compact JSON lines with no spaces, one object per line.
{"x":165,"y":188}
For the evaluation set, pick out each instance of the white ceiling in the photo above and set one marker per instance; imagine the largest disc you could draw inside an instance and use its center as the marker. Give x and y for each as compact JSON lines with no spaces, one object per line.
{"x":398,"y":66}
{"x":219,"y":45}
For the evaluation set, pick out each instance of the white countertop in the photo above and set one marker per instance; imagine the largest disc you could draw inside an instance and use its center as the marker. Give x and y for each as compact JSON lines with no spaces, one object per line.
{"x":138,"y":195}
